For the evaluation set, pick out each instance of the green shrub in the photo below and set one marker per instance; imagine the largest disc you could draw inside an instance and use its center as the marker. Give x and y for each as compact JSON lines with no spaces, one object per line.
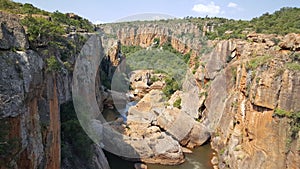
{"x":275,"y":40}
{"x":41,"y":29}
{"x":177,"y":103}
{"x":281,"y":22}
{"x":128,"y":50}
{"x":53,"y":65}
{"x":171,"y":86}
{"x":18,"y":8}
{"x":222,"y":151}
{"x":68,"y":66}
{"x":168,"y":47}
{"x":293,"y":66}
{"x":156,"y":42}
{"x":282,"y":113}
{"x":258,"y":61}
{"x":295,"y":124}
{"x":187,"y":57}
{"x":80,"y":23}
{"x":295,"y":57}
{"x":154,"y":78}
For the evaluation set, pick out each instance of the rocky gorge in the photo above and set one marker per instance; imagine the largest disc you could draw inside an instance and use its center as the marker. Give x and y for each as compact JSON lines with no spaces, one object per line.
{"x":241,"y":97}
{"x":240,"y":88}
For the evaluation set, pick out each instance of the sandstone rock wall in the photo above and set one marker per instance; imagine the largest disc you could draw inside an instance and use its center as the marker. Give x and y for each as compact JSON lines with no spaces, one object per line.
{"x":241,"y":84}
{"x":241,"y":103}
{"x":30,"y":99}
{"x":184,"y":36}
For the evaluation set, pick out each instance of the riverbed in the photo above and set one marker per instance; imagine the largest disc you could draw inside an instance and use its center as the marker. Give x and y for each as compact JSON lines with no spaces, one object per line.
{"x":199,"y":159}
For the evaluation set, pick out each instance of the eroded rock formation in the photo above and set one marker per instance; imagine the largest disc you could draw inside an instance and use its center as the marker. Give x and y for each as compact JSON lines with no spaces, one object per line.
{"x":240,"y":84}
{"x":30,"y":100}
{"x":234,"y":96}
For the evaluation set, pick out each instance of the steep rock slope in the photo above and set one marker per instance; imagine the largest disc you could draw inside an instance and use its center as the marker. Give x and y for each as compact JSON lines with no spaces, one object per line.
{"x":244,"y":104}
{"x":30,"y":101}
{"x":248,"y":94}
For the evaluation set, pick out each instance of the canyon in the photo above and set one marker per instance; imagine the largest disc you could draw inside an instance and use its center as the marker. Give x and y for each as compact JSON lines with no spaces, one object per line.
{"x":242,"y":97}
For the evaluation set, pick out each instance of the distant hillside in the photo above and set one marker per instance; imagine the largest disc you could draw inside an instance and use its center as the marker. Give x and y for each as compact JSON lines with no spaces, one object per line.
{"x":19,"y":8}
{"x":146,"y":17}
{"x":282,"y":22}
{"x":27,"y":11}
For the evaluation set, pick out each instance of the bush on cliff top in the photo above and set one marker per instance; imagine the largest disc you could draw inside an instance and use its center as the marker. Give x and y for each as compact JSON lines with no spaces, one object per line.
{"x":284,"y":21}
{"x":19,"y":8}
{"x":40,"y":29}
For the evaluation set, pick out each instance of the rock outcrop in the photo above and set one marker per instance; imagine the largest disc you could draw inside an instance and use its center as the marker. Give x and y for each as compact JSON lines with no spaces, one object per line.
{"x":238,"y":89}
{"x":244,"y":96}
{"x":183,"y":36}
{"x":242,"y":103}
{"x":161,"y":130}
{"x":291,"y":42}
{"x":12,"y":34}
{"x":30,"y":100}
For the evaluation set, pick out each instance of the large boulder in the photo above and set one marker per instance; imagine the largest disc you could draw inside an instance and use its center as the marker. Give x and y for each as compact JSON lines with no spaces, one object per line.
{"x":291,"y":42}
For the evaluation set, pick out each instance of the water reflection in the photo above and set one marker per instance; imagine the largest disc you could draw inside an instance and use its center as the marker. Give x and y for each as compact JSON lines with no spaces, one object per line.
{"x":199,"y":159}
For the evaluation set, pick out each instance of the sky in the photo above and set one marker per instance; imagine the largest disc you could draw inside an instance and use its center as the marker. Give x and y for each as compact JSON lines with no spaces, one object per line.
{"x":104,"y":11}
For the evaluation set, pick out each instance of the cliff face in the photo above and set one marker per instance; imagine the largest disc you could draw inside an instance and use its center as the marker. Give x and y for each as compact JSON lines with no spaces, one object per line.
{"x":183,"y":36}
{"x":247,"y":94}
{"x":30,"y":100}
{"x":243,"y":86}
{"x":243,"y":100}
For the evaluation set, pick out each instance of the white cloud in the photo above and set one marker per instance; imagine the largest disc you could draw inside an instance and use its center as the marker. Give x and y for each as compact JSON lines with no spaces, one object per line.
{"x":98,"y":22}
{"x":232,"y":5}
{"x":209,"y":9}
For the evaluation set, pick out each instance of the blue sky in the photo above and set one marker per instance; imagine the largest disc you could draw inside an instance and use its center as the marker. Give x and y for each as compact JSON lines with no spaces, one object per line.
{"x":112,"y":10}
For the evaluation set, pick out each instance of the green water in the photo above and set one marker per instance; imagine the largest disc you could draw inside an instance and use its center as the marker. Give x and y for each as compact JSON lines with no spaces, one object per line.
{"x":199,"y":159}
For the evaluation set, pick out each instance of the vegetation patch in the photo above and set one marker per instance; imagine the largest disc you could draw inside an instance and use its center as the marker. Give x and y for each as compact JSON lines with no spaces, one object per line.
{"x":293,"y":66}
{"x":293,"y":116}
{"x":73,"y":138}
{"x":234,"y":74}
{"x":282,"y":113}
{"x":128,"y":50}
{"x":53,"y":65}
{"x":177,"y":103}
{"x":258,"y":61}
{"x":171,"y":86}
{"x":19,"y":8}
{"x":280,"y":22}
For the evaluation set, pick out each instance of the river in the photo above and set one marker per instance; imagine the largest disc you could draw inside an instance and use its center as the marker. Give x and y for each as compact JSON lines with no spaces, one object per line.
{"x":199,"y":159}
